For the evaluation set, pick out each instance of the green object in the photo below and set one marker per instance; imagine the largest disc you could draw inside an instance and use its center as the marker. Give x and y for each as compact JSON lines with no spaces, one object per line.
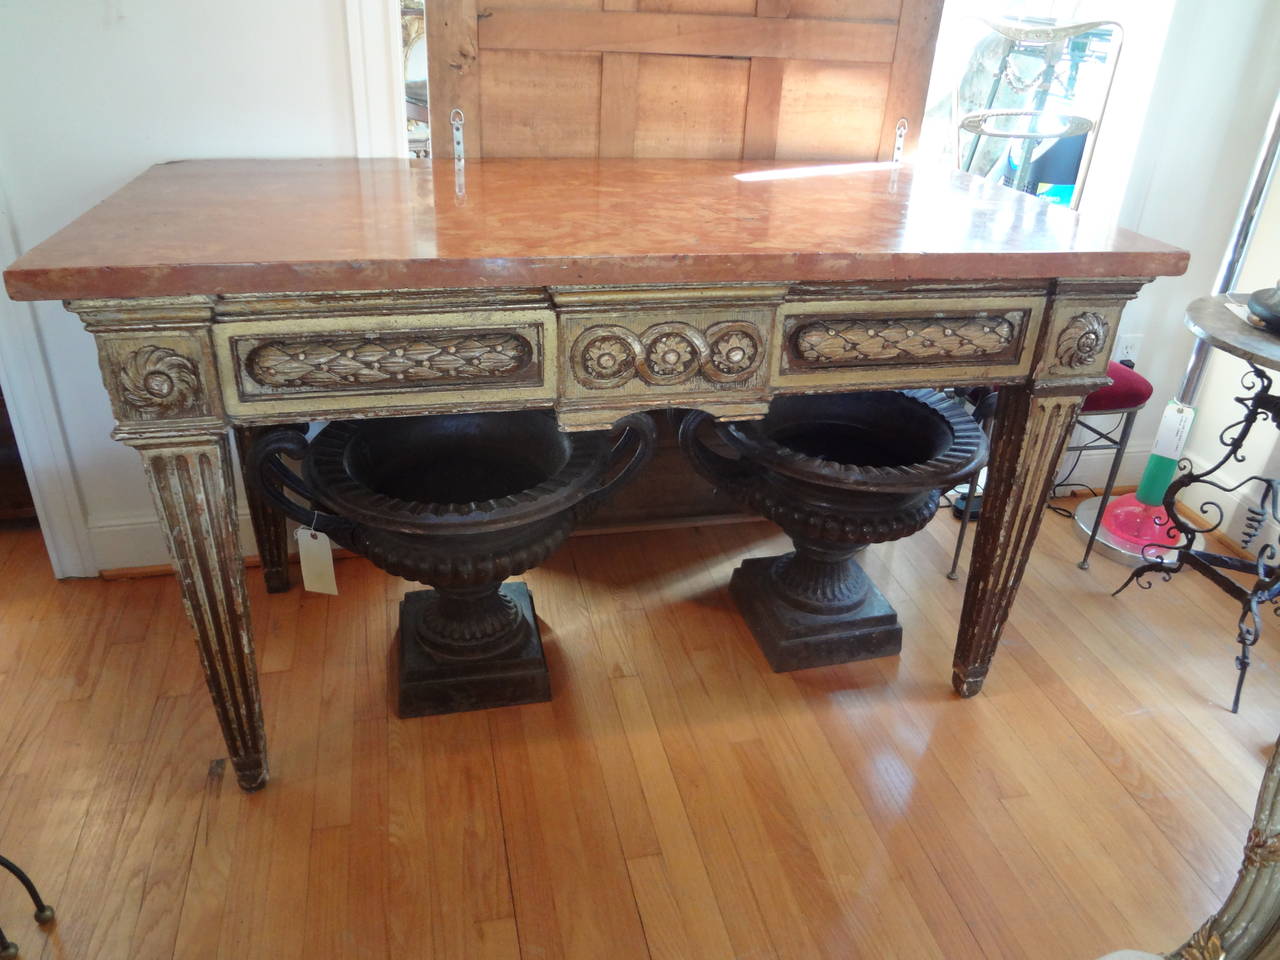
{"x":1156,"y":478}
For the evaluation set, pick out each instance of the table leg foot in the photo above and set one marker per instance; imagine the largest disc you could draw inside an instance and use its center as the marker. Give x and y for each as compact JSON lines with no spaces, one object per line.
{"x":251,"y":772}
{"x":967,"y":684}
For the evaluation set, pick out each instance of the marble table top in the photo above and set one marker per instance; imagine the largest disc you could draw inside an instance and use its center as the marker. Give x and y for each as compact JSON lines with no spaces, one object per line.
{"x":243,"y":226}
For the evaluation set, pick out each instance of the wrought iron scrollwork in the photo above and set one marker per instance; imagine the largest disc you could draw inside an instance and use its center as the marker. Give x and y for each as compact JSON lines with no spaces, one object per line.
{"x":1170,"y":558}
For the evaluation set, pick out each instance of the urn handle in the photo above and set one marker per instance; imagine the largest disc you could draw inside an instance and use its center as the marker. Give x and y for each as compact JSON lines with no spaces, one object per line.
{"x":269,"y":474}
{"x":722,"y":471}
{"x":631,"y":450}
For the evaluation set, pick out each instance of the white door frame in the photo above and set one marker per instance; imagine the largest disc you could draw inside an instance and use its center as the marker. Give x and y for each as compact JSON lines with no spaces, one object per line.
{"x":376,"y":65}
{"x":376,"y":62}
{"x":37,"y":425}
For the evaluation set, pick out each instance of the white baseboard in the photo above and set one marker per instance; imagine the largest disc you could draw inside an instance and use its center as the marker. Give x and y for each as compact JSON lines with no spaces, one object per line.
{"x":1095,"y":464}
{"x":138,"y":541}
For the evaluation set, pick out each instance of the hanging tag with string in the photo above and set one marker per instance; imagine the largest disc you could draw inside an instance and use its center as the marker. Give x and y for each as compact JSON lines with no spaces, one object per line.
{"x":315,"y":553}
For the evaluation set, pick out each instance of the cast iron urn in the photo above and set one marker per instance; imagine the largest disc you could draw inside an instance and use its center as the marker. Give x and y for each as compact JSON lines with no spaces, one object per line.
{"x":837,"y":473}
{"x":461,"y":503}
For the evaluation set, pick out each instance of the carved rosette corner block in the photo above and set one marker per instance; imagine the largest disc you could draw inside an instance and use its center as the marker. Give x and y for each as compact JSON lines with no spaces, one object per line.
{"x":399,"y":359}
{"x":1081,"y":341}
{"x":665,"y":354}
{"x":158,"y":382}
{"x":836,"y":341}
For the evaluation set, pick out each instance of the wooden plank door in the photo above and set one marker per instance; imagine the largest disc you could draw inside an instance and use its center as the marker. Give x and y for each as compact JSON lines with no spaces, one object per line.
{"x":749,"y":79}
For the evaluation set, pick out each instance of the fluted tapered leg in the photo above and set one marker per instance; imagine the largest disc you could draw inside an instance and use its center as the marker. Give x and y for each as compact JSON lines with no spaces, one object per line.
{"x":269,"y":526}
{"x":1030,"y":433}
{"x":191,"y":481}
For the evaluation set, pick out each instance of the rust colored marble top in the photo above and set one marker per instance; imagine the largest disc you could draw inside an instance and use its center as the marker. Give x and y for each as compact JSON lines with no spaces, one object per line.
{"x":271,"y":226}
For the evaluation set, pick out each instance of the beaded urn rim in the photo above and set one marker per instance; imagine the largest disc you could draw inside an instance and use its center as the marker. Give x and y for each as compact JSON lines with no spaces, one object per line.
{"x":327,"y":471}
{"x":966,"y":452}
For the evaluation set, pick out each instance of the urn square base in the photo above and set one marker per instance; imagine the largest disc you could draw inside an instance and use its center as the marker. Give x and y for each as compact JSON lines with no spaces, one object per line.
{"x":795,"y":639}
{"x":427,"y":684}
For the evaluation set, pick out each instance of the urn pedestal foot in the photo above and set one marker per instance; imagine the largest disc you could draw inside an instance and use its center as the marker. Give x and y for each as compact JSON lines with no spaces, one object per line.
{"x":792,"y":638}
{"x":429,"y":684}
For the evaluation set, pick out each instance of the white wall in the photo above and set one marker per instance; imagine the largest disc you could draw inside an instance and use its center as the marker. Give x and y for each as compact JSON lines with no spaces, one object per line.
{"x":1217,"y":406}
{"x":97,"y":91}
{"x":94,"y":93}
{"x":1217,"y":82}
{"x":1189,"y":105}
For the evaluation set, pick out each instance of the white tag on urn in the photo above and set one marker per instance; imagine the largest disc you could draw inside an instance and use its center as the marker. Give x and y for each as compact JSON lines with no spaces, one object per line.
{"x":316,"y":556}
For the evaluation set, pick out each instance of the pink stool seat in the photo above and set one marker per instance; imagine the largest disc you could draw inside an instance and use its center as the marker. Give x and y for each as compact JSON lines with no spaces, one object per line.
{"x":1128,"y":391}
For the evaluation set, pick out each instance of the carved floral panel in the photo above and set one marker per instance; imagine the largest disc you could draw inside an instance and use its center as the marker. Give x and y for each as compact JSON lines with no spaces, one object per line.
{"x":325,"y":363}
{"x":832,"y":341}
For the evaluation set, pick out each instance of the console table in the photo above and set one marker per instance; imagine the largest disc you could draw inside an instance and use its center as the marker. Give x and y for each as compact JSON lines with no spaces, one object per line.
{"x":245,"y":293}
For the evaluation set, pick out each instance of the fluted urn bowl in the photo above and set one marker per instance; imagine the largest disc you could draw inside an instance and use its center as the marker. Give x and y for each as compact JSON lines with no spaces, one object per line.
{"x":460,"y":503}
{"x":837,"y":472}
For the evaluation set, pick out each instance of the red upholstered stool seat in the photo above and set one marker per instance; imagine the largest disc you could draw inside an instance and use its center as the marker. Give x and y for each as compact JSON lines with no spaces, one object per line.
{"x":1129,"y":389}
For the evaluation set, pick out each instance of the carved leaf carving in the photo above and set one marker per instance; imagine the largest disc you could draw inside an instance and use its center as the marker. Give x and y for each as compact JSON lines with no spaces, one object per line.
{"x":338,"y":362}
{"x":1205,"y":944}
{"x":156,"y":381}
{"x":1261,"y":849}
{"x":829,"y":341}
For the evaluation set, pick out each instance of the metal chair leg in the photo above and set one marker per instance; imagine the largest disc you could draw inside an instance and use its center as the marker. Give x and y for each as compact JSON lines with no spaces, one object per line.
{"x":964,"y":525}
{"x":1121,"y":445}
{"x":44,"y":913}
{"x":8,"y":948}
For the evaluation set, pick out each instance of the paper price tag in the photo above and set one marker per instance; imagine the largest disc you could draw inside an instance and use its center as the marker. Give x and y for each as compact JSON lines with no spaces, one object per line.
{"x":316,"y":556}
{"x":1175,"y":425}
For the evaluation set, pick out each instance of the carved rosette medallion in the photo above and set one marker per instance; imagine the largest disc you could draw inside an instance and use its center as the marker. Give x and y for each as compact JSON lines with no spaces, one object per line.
{"x":606,"y":357}
{"x":734,"y":352}
{"x":157,"y":382}
{"x":666,"y":353}
{"x":336,"y":362}
{"x":673,"y":353}
{"x":1081,"y":340}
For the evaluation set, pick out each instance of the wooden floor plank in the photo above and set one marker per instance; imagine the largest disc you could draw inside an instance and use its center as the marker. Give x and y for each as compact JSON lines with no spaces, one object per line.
{"x":676,"y":799}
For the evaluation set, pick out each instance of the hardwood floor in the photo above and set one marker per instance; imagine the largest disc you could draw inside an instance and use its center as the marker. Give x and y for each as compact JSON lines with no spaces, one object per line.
{"x":676,"y":800}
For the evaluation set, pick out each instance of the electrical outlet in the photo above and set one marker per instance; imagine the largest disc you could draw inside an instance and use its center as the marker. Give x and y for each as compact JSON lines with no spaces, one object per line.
{"x":1127,"y":346}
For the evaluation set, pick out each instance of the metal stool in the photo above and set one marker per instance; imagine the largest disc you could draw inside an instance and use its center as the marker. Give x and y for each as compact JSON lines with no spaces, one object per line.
{"x":44,"y":912}
{"x":1127,"y":393}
